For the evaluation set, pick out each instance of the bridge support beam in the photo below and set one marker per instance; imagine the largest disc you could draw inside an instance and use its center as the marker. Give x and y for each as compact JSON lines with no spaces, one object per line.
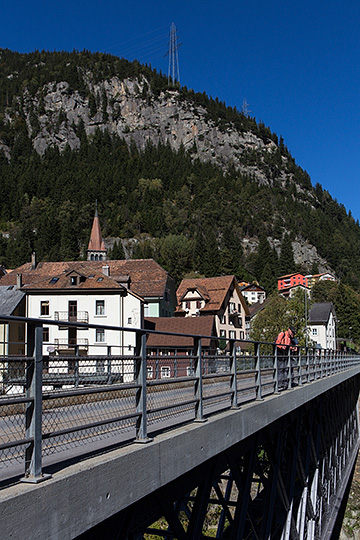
{"x":285,"y":481}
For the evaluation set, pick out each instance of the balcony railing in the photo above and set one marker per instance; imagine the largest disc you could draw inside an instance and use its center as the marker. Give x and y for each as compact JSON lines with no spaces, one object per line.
{"x":71,"y":344}
{"x":68,"y":316}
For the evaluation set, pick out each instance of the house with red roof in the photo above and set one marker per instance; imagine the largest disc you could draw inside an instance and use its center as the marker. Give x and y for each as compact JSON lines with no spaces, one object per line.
{"x":218,"y":296}
{"x":84,"y":295}
{"x":171,"y":354}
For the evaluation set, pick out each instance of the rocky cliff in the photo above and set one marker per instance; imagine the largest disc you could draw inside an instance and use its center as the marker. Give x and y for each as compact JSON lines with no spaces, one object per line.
{"x":129,"y":109}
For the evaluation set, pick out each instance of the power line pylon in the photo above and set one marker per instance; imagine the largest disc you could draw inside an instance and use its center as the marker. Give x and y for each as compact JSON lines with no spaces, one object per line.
{"x":173,"y":72}
{"x":245,"y":110}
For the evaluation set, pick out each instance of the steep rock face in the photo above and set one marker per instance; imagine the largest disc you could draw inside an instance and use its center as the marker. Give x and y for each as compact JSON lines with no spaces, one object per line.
{"x":128,"y":108}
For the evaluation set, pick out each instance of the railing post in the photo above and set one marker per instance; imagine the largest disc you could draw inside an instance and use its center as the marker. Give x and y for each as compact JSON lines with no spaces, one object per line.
{"x":175,"y":364}
{"x":258,"y":373}
{"x":322,"y":354}
{"x":108,"y":366}
{"x":76,"y":366}
{"x":289,"y":368}
{"x":141,"y":393}
{"x":276,"y":369}
{"x":198,"y":389}
{"x":33,"y":411}
{"x":300,"y":368}
{"x":308,"y":378}
{"x":233,"y":367}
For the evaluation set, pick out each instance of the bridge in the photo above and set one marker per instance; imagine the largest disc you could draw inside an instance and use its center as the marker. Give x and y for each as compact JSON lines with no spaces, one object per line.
{"x":182,"y":443}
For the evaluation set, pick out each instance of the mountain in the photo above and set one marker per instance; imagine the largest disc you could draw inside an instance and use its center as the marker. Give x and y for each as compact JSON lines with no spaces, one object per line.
{"x":178,"y":175}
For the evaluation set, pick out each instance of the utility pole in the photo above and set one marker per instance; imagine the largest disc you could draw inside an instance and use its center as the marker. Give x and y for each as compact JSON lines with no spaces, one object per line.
{"x":173,"y":71}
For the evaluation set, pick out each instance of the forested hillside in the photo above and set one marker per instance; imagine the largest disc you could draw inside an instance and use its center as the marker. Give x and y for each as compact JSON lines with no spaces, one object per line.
{"x":198,"y":185}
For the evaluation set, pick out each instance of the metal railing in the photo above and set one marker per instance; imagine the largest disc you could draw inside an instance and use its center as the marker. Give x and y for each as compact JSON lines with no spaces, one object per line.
{"x":69,"y":316}
{"x":52,"y":402}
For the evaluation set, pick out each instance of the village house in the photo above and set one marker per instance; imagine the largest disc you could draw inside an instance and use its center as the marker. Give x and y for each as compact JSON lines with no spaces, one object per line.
{"x":253,"y":293}
{"x":172,"y":355}
{"x":219,"y":296}
{"x":325,"y":276}
{"x":322,"y":325}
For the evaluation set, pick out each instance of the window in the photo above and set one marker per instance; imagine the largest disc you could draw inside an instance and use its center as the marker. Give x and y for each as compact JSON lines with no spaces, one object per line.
{"x":198,"y":304}
{"x":45,"y":334}
{"x":165,"y":372}
{"x":100,"y":335}
{"x":222,"y":333}
{"x":146,"y":310}
{"x":149,"y":372}
{"x":73,"y":280}
{"x":100,"y":307}
{"x":222,"y":319}
{"x":231,"y":307}
{"x":232,"y":334}
{"x":314,"y":331}
{"x":129,"y":320}
{"x":44,"y":308}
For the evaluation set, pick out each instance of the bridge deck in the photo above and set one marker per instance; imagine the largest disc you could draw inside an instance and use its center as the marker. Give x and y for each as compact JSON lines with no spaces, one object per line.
{"x":101,"y":486}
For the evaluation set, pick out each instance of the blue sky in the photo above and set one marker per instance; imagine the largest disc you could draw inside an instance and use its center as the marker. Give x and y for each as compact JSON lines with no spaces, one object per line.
{"x":295,"y":62}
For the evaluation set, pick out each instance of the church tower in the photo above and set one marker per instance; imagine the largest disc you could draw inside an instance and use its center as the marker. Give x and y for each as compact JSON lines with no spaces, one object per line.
{"x":96,"y":250}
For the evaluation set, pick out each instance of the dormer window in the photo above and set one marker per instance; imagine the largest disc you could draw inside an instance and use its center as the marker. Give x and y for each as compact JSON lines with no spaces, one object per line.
{"x":73,"y":280}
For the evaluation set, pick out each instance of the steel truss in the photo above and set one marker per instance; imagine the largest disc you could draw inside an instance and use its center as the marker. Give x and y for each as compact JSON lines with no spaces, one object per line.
{"x":285,"y":482}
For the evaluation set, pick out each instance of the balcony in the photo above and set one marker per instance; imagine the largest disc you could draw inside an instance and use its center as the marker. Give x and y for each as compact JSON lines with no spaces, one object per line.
{"x":68,"y":316}
{"x":62,"y":345}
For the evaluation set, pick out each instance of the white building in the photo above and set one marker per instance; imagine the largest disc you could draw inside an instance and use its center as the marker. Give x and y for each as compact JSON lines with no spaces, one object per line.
{"x":84,"y":295}
{"x":322,"y":325}
{"x":253,"y":293}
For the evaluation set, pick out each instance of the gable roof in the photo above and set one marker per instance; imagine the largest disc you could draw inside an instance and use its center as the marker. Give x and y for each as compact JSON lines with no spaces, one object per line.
{"x":10,"y":298}
{"x":215,"y":289}
{"x":88,"y":279}
{"x":148,"y":278}
{"x":200,"y":326}
{"x":320,"y":312}
{"x":254,"y":309}
{"x":252,"y":287}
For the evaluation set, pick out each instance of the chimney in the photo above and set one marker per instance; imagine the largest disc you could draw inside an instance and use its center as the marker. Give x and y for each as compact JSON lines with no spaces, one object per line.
{"x":33,"y":261}
{"x":106,"y":270}
{"x":123,"y":280}
{"x":18,"y":281}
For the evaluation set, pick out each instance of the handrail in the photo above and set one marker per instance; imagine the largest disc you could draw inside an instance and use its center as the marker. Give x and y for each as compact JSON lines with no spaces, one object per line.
{"x":201,"y":381}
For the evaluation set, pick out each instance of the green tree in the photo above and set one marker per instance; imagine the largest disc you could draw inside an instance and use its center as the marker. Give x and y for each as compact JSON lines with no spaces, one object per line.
{"x":117,"y":252}
{"x":175,"y":256}
{"x":286,"y":259}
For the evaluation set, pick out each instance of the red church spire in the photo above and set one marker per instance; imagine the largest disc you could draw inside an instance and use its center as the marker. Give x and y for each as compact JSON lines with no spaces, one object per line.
{"x":96,"y":249}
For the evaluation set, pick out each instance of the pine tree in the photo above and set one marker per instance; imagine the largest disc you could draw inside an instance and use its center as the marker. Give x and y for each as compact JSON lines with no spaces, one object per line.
{"x":117,"y":252}
{"x":286,"y":259}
